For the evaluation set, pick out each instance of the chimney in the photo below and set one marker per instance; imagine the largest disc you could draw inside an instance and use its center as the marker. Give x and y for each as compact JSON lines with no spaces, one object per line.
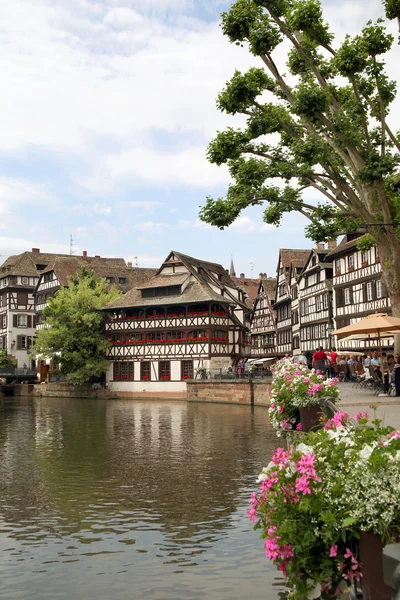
{"x":227,"y":270}
{"x":129,"y":265}
{"x":320,"y":246}
{"x":36,"y":250}
{"x":97,"y":256}
{"x":84,"y":255}
{"x":332,"y":244}
{"x":242,"y":276}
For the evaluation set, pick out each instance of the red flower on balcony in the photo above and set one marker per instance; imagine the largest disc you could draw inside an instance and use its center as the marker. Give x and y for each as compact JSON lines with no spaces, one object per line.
{"x":186,"y":377}
{"x":351,"y":267}
{"x":164,"y":377}
{"x":145,"y":377}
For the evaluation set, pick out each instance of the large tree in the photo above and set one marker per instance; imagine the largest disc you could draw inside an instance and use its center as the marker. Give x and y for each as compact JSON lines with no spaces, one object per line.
{"x":74,"y":333}
{"x":324,"y":125}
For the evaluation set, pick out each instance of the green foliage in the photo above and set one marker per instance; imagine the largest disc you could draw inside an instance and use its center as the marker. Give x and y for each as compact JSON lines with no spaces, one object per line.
{"x":74,"y":332}
{"x":329,"y":125}
{"x":5,"y":361}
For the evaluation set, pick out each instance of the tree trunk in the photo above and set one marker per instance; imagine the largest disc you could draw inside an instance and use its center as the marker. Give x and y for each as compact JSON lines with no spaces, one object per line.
{"x":389,"y":252}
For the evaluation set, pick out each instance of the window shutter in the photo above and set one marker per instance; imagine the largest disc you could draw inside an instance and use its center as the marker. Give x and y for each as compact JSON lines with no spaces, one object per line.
{"x":15,"y":321}
{"x":374,"y":290}
{"x":29,"y":321}
{"x":384,"y":289}
{"x":339,"y":298}
{"x":365,"y":297}
{"x":351,"y":295}
{"x":34,"y":321}
{"x":19,"y":342}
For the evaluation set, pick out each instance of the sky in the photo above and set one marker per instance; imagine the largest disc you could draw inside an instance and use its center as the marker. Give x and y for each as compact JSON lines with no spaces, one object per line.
{"x":106,"y":111}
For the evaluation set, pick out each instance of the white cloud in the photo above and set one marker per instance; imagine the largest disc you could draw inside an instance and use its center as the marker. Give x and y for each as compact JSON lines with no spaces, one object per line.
{"x":150,"y":226}
{"x":17,"y":245}
{"x":146,"y":260}
{"x":247,"y":225}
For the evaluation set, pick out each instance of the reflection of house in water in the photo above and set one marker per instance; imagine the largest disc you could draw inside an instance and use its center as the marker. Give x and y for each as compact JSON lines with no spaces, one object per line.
{"x":149,"y":472}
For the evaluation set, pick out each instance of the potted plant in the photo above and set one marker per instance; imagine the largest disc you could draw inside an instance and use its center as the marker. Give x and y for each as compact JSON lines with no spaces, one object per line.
{"x":201,"y":372}
{"x":295,"y":396}
{"x":326,"y":503}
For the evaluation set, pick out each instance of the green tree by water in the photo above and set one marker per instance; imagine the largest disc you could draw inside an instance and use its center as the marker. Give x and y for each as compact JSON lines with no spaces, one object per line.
{"x":5,"y":361}
{"x":320,"y":124}
{"x":74,"y":332}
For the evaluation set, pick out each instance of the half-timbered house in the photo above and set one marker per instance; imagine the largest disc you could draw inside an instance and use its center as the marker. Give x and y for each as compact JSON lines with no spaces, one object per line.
{"x":290,"y":264}
{"x":263,"y":322}
{"x":357,"y":285}
{"x":114,"y":270}
{"x":190,"y":315}
{"x":315,"y":300}
{"x":19,"y":275}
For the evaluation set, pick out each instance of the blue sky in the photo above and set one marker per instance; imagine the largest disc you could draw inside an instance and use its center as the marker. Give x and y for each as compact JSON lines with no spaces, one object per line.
{"x":107,"y":108}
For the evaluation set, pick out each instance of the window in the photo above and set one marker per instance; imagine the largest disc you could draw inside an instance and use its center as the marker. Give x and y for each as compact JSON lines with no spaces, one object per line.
{"x":219,"y":336}
{"x":145,"y":371}
{"x":117,"y":371}
{"x":364,"y":257}
{"x":187,"y":369}
{"x":326,"y":301}
{"x":171,"y":290}
{"x":282,"y":290}
{"x":40,"y":267}
{"x":109,"y":279}
{"x":176,"y":336}
{"x":294,"y":292}
{"x":25,"y":280}
{"x":24,"y":342}
{"x":164,"y":370}
{"x":350,"y":262}
{"x":48,"y":277}
{"x":370,"y":293}
{"x":337,"y":265}
{"x":295,"y":317}
{"x":22,"y":298}
{"x":347,"y":296}
{"x":122,"y":280}
{"x":268,"y":339}
{"x":22,"y":320}
{"x":318,"y":303}
{"x":198,"y":335}
{"x":155,"y":337}
{"x":296,"y":342}
{"x":3,"y":321}
{"x":379,"y":291}
{"x":125,"y":370}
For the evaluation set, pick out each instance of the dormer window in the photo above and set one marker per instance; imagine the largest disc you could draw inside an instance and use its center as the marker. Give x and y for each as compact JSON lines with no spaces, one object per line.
{"x":48,"y":277}
{"x":40,"y":267}
{"x":122,"y":280}
{"x":170,"y":290}
{"x":109,"y":279}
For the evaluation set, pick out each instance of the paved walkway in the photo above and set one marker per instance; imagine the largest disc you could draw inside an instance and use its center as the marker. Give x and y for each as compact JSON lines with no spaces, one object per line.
{"x":353,"y":400}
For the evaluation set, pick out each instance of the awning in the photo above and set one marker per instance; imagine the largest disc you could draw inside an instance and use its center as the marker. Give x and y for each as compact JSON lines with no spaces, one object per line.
{"x":260,"y":361}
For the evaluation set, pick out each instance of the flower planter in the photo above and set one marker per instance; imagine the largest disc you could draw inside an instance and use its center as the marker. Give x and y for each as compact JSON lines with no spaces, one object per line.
{"x":337,"y":273}
{"x":373,"y":585}
{"x":310,"y":417}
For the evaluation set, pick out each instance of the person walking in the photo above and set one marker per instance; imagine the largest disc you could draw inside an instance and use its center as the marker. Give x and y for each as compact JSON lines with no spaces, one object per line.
{"x":396,"y":370}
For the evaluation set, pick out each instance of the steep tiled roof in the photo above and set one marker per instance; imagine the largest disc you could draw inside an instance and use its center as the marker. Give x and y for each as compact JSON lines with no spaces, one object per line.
{"x":343,"y":247}
{"x":297,"y":258}
{"x":193,"y":293}
{"x":207,"y":276}
{"x":165,"y":280}
{"x":25,"y":264}
{"x":115,"y":268}
{"x":248,"y":285}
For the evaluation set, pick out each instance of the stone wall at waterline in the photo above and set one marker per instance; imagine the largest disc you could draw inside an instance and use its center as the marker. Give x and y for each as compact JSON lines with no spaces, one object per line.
{"x":68,"y":390}
{"x":230,"y":392}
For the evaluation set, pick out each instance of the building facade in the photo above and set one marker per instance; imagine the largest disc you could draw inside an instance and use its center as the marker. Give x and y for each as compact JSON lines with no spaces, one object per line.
{"x":315,"y":300}
{"x":190,"y":315}
{"x":358,"y":289}
{"x":263,"y":322}
{"x":290,"y":265}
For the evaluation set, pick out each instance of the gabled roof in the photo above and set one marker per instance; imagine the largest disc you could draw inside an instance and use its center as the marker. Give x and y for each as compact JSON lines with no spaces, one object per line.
{"x":24,"y":264}
{"x":295,"y":257}
{"x":205,"y":275}
{"x":65,"y":267}
{"x":268,"y":284}
{"x":344,"y":246}
{"x":248,"y":285}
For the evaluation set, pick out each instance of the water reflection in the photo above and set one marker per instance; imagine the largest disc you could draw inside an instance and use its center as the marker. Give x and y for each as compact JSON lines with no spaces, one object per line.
{"x":142,"y":500}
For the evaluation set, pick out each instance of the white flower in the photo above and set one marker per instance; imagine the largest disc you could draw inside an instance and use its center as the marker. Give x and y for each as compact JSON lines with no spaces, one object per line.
{"x":304,"y":449}
{"x":366,"y":452}
{"x":314,"y":593}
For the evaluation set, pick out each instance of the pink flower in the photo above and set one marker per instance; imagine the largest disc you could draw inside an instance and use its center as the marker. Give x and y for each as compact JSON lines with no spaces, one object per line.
{"x":333,"y":551}
{"x":361,"y":415}
{"x":394,"y":434}
{"x":299,"y":427}
{"x":302,"y":485}
{"x":280,"y":409}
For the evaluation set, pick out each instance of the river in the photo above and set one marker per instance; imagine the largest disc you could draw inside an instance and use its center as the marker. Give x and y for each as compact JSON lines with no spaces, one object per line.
{"x":133,"y":500}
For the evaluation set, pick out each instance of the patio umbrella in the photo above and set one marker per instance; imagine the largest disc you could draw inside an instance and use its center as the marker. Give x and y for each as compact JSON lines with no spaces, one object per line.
{"x":376,"y":324}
